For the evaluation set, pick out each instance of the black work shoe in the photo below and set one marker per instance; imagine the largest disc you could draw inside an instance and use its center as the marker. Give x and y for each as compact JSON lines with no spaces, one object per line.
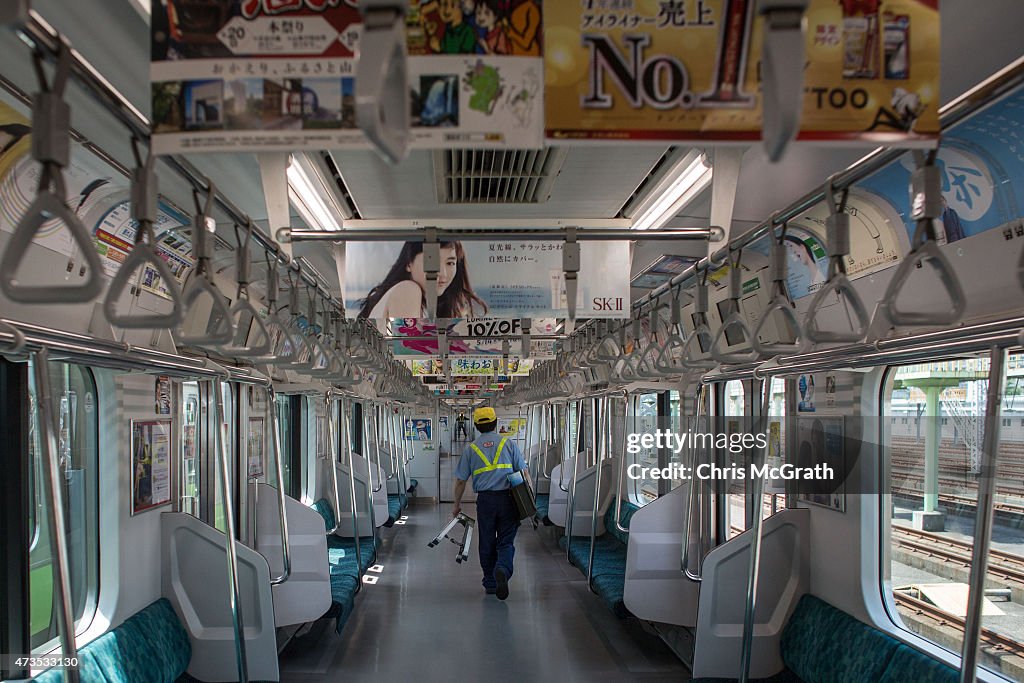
{"x":490,"y":591}
{"x":502,"y":590}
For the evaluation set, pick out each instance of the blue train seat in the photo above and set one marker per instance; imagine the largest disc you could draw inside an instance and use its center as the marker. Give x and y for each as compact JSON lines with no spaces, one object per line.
{"x":542,"y":501}
{"x":609,"y":557}
{"x":345,"y":571}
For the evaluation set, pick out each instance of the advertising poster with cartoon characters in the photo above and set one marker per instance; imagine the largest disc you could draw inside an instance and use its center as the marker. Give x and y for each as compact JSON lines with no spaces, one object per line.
{"x":236,"y":75}
{"x":690,"y":69}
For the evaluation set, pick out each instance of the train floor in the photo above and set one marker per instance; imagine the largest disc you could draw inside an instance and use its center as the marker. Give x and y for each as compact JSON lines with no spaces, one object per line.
{"x":427,"y":619}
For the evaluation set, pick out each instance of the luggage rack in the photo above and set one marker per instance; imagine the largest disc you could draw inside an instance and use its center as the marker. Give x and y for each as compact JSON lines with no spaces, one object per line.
{"x":465,"y":542}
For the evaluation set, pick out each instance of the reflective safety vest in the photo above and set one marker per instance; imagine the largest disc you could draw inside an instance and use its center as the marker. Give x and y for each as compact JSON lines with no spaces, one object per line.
{"x":491,"y":465}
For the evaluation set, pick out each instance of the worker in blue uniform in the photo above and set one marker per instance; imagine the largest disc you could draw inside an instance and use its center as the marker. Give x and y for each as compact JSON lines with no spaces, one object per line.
{"x":489,"y":460}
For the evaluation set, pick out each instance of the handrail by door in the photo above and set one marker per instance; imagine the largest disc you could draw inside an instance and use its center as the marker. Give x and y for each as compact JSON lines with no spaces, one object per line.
{"x":622,"y":461}
{"x":756,"y":529}
{"x":600,"y":451}
{"x":332,"y":453}
{"x":234,"y":597}
{"x":699,"y":403}
{"x":369,"y":482}
{"x":54,"y":499}
{"x":275,"y":428}
{"x":346,"y":426}
{"x":571,"y":501}
{"x":983,"y":517}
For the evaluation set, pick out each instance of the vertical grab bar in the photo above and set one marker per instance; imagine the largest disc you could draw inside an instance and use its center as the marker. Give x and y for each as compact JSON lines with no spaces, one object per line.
{"x":332,"y":453}
{"x":286,"y":558}
{"x":983,"y":517}
{"x":234,"y":598}
{"x":600,"y":450}
{"x":622,"y":462}
{"x":54,"y":496}
{"x":757,"y":529}
{"x":567,"y":433}
{"x":570,"y":504}
{"x":346,"y":427}
{"x":369,"y":486}
{"x":699,"y":402}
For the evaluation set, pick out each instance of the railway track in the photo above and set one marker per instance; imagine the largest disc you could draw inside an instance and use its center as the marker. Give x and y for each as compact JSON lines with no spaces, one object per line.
{"x":1001,"y":565}
{"x":960,"y":500}
{"x":997,"y":643}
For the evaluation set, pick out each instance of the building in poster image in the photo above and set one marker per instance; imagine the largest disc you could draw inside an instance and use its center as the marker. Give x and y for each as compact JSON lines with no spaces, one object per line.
{"x":150,"y":464}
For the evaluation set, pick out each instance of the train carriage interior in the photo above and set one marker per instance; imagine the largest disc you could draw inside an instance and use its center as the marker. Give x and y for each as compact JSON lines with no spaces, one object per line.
{"x":262,"y":261}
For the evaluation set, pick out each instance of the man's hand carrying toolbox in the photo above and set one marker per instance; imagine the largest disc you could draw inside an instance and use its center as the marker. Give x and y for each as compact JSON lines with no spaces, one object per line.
{"x":522,"y":494}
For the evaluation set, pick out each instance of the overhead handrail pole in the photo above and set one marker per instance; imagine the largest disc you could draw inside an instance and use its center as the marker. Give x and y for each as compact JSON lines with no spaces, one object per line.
{"x":234,"y":595}
{"x":983,"y":516}
{"x":699,"y":403}
{"x":926,"y":207}
{"x":53,"y":493}
{"x":202,"y":282}
{"x":780,"y":303}
{"x":295,"y":235}
{"x":332,"y":454}
{"x":51,"y":147}
{"x":144,"y":200}
{"x":275,"y":428}
{"x":757,"y":531}
{"x":735,"y":317}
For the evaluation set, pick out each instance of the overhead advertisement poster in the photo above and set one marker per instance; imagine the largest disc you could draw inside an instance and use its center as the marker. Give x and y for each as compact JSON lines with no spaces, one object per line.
{"x":690,"y":69}
{"x":269,"y":75}
{"x":509,"y":279}
{"x":488,"y":336}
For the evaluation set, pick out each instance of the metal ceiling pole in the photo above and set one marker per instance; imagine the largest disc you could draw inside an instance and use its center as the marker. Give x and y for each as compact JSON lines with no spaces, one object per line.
{"x":712,"y":234}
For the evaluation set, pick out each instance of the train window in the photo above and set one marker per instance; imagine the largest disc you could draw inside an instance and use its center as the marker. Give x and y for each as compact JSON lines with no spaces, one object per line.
{"x":776,"y":454}
{"x":73,"y":390}
{"x":736,"y":511}
{"x":645,"y":410}
{"x":676,"y":423}
{"x":932,"y":487}
{"x":190,"y":485}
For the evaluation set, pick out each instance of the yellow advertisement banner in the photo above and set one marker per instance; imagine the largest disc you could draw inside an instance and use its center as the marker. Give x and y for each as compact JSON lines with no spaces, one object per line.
{"x":690,"y":69}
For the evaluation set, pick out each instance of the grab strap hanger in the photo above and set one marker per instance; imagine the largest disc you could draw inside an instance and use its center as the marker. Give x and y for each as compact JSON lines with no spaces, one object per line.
{"x":925,"y":208}
{"x":701,"y":337}
{"x":243,"y":309}
{"x":144,"y":194}
{"x":571,"y":269}
{"x":735,"y":318}
{"x":780,"y":303}
{"x":202,"y":283}
{"x":382,"y":92}
{"x":323,"y":366}
{"x":348,"y":373}
{"x":281,"y":350}
{"x":647,"y":364}
{"x":668,"y":361}
{"x":837,"y":226}
{"x":782,"y":59}
{"x":51,"y":147}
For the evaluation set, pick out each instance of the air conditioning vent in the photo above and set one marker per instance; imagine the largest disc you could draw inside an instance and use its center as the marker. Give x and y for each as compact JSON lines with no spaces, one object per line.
{"x":470,"y":176}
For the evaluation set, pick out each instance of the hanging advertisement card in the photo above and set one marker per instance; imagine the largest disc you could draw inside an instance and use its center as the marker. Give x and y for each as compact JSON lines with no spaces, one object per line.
{"x":150,"y":464}
{"x":255,"y":443}
{"x":162,"y":395}
{"x":496,"y":329}
{"x":385,"y":280}
{"x":264,"y":75}
{"x":418,"y":429}
{"x":691,"y":69}
{"x":512,"y":427}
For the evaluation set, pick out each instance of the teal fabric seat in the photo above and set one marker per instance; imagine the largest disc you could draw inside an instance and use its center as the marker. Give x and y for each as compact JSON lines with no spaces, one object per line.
{"x":325,"y":510}
{"x":822,"y":644}
{"x":609,"y":574}
{"x":394,"y":509}
{"x":413,"y":483}
{"x":149,"y":647}
{"x":342,"y":561}
{"x":542,"y":501}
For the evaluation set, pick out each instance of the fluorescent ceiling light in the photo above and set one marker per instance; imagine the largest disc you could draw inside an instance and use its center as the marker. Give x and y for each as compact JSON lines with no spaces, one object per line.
{"x":309,"y":202}
{"x":677,"y":188}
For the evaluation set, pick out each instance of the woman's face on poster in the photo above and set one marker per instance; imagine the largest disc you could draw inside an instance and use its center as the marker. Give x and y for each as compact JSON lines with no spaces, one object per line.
{"x":449,"y":266}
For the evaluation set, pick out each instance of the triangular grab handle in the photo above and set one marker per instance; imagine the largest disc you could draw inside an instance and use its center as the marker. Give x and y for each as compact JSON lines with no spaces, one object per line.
{"x":262,"y":342}
{"x":225,"y":328}
{"x":927,"y":252}
{"x":735,"y":319}
{"x":838,"y":284}
{"x":45,"y":207}
{"x":788,"y":312}
{"x":702,"y":332}
{"x":143,"y":255}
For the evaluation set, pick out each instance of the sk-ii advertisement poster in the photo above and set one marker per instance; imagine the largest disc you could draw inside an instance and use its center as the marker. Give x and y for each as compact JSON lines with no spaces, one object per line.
{"x":508,"y":279}
{"x":266,"y":75}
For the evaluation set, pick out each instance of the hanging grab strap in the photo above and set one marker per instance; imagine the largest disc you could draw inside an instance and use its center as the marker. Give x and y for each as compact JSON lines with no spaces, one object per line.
{"x":780,"y":304}
{"x":202,"y":283}
{"x":701,"y":338}
{"x":144,"y":193}
{"x":734,"y":319}
{"x":382,"y":94}
{"x":670,"y":356}
{"x":51,"y":145}
{"x":838,"y":227}
{"x":243,"y":309}
{"x":926,"y":208}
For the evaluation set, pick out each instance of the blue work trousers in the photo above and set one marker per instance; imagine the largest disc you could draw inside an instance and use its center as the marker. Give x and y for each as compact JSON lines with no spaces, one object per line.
{"x":497,"y":520}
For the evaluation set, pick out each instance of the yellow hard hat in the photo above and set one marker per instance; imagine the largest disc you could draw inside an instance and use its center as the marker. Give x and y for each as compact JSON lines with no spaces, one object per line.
{"x":481,"y":415}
